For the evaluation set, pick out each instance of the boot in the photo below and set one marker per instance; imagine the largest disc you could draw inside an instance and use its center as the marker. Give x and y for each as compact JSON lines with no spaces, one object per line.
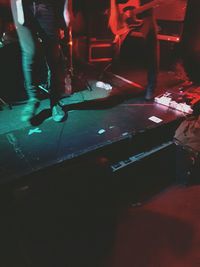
{"x":30,"y":109}
{"x":151,"y":86}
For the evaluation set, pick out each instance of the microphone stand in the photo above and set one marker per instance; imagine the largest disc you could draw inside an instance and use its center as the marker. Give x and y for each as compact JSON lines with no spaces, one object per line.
{"x":71,"y":76}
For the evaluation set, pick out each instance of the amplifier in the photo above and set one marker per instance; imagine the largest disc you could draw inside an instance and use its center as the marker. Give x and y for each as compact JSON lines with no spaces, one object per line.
{"x":172,"y":11}
{"x":102,"y":50}
{"x":93,"y":50}
{"x":170,"y":31}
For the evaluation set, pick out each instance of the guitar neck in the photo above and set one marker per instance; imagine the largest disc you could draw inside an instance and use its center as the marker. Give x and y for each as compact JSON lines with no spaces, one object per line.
{"x":145,"y":7}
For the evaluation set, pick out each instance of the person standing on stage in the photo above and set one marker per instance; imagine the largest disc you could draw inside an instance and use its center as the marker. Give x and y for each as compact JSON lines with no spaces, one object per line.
{"x":37,"y":20}
{"x":149,"y":33}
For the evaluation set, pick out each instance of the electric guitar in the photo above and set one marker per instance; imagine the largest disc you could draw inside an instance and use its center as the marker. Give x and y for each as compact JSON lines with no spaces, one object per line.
{"x":123,"y":17}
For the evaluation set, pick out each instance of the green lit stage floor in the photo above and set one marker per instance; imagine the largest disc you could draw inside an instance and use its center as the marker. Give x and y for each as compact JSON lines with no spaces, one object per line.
{"x":97,"y":120}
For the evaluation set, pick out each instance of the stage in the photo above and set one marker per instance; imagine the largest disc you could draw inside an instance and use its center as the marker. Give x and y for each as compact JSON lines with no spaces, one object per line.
{"x":63,"y":185}
{"x":98,"y":121}
{"x":100,"y":188}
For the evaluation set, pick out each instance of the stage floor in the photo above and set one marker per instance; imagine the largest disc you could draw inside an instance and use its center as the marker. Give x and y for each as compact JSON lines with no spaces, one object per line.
{"x":97,"y":118}
{"x":60,"y":203}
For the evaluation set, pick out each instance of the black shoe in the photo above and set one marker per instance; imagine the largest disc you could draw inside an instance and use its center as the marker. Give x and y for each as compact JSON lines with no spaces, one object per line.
{"x":58,"y":113}
{"x":151,"y":83}
{"x":149,"y":94}
{"x":149,"y":97}
{"x":30,"y":109}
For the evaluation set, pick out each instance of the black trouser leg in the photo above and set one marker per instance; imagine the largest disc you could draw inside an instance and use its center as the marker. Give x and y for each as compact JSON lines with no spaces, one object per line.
{"x":152,"y":48}
{"x":28,"y":50}
{"x":41,"y":23}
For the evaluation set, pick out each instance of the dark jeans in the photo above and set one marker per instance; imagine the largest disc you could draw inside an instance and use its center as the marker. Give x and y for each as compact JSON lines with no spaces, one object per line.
{"x":40,"y":22}
{"x":152,"y":50}
{"x":153,"y":60}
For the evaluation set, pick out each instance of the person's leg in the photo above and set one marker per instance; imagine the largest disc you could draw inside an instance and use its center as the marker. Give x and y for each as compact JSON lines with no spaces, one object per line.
{"x":57,"y":79}
{"x":49,"y":33}
{"x":153,"y":53}
{"x":28,"y":50}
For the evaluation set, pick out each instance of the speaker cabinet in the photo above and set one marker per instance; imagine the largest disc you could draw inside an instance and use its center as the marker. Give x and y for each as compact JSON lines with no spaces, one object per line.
{"x":172,"y":11}
{"x":101,"y":50}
